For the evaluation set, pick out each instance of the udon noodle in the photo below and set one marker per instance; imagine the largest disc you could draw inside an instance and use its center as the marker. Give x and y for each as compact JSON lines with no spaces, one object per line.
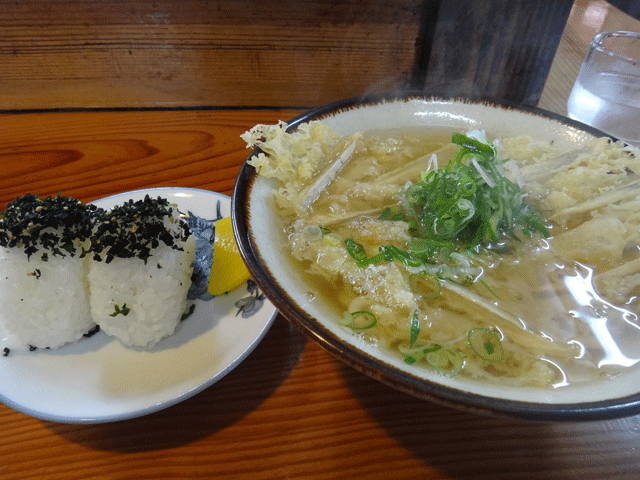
{"x":547,"y":303}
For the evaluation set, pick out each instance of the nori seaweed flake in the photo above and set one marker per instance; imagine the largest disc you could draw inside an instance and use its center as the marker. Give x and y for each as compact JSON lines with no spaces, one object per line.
{"x":92,"y":332}
{"x":188,"y":313}
{"x":36,"y":273}
{"x":133,"y":229}
{"x":59,"y":225}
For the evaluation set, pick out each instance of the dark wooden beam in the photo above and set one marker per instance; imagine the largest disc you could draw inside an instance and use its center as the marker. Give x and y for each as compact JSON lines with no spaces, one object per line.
{"x":497,"y":49}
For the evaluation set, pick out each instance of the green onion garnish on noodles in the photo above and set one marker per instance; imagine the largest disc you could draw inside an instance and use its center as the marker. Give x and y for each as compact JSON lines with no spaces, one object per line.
{"x":428,"y":248}
{"x":473,"y":145}
{"x":391,"y":252}
{"x":466,"y":203}
{"x":392,"y":213}
{"x":360,"y":320}
{"x":447,"y":360}
{"x":470,"y":200}
{"x":386,"y":252}
{"x":415,"y":329}
{"x":484,"y":284}
{"x":357,"y":252}
{"x":420,"y":353}
{"x":486,"y":344}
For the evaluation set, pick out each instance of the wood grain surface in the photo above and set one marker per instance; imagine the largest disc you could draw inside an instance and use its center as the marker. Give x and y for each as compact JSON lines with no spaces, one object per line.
{"x":89,"y":155}
{"x":224,"y":53}
{"x":290,"y":410}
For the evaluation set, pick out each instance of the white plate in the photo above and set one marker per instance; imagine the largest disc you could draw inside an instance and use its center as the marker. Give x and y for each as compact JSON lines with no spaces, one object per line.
{"x":100,"y":380}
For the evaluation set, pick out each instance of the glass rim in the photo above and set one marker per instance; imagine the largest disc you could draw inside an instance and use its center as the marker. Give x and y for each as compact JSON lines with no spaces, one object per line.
{"x":599,"y":38}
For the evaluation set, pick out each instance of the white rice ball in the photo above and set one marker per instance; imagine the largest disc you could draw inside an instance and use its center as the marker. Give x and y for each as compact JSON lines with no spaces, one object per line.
{"x":44,"y":298}
{"x":140,"y":303}
{"x":42,"y":303}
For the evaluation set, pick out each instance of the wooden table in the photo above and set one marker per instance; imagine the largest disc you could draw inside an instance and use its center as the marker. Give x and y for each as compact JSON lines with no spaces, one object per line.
{"x":290,"y":410}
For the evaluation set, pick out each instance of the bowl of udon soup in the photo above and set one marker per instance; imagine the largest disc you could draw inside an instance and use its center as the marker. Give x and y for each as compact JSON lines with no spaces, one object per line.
{"x":481,"y":256}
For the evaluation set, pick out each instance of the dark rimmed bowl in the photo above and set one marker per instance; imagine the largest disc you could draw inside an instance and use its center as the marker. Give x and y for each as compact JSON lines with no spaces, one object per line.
{"x":260,"y":242}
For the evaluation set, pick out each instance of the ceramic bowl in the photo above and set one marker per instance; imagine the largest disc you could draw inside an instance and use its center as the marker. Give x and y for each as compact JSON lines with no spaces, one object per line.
{"x":260,"y":243}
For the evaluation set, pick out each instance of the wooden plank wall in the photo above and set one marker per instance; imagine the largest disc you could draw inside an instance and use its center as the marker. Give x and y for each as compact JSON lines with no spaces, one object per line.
{"x":284,"y":53}
{"x":224,"y":53}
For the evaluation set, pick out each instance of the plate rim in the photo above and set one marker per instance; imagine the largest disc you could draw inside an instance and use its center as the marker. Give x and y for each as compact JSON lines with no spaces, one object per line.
{"x":184,"y":395}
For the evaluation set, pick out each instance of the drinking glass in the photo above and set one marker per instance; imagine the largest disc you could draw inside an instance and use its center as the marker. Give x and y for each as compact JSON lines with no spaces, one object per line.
{"x":606,"y":94}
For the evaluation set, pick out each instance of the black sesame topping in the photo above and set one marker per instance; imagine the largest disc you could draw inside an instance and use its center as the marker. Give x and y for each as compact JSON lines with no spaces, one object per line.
{"x":58,"y":225}
{"x":133,"y":229}
{"x":5,"y":352}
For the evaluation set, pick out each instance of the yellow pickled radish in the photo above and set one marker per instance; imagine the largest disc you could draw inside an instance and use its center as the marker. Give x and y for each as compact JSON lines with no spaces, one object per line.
{"x":228,"y":270}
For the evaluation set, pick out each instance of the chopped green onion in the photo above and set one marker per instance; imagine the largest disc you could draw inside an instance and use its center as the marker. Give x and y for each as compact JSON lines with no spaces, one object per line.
{"x":428,"y":248}
{"x":473,"y":145}
{"x":438,"y":358}
{"x":414,"y":357}
{"x":486,"y":344}
{"x":489,"y":288}
{"x":456,"y":360}
{"x":415,"y":329}
{"x":471,"y":201}
{"x":357,"y":251}
{"x":360,"y":320}
{"x":443,"y":359}
{"x":446,"y":359}
{"x":387,"y":252}
{"x":391,"y":252}
{"x":392,"y":213}
{"x":411,"y":359}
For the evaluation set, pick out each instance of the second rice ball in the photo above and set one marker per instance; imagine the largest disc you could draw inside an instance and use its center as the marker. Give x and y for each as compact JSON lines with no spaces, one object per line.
{"x":141,"y":271}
